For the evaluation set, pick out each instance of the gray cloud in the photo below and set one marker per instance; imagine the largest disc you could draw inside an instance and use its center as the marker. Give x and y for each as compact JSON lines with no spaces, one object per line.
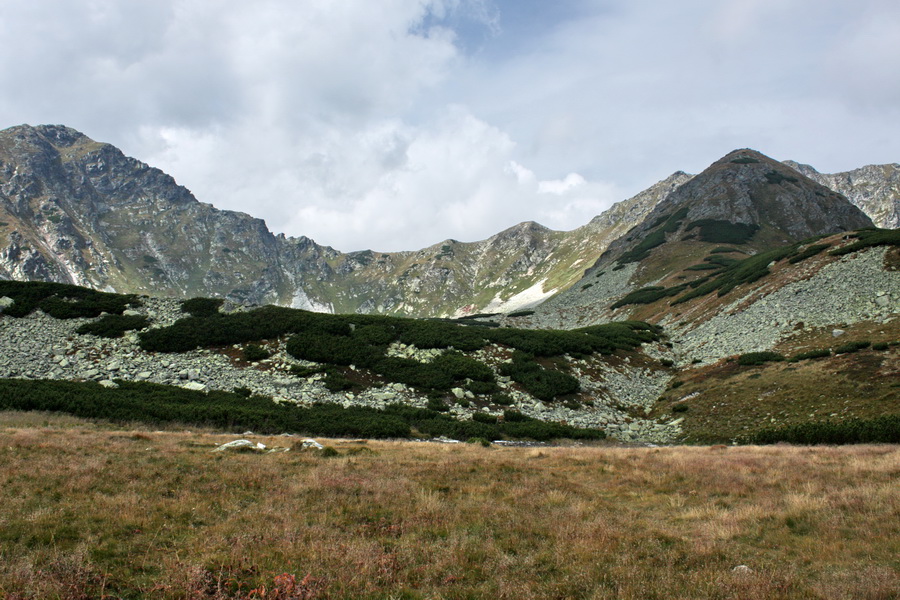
{"x":397,"y":124}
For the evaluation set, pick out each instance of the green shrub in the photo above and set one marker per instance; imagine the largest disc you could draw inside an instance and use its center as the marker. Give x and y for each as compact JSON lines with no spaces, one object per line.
{"x":723,"y":232}
{"x":62,"y":301}
{"x":808,"y":252}
{"x":820,"y":353}
{"x":586,"y":286}
{"x":201,"y":307}
{"x":758,"y":358}
{"x":502,"y":399}
{"x":521,"y":313}
{"x":514,"y":416}
{"x":482,"y":387}
{"x":656,"y":237}
{"x":666,"y":362}
{"x":744,"y":160}
{"x":648,"y":295}
{"x":541,"y":383}
{"x":867,"y":238}
{"x":680,"y":407}
{"x":437,"y":405}
{"x":747,"y":270}
{"x":480,"y":441}
{"x":335,"y":381}
{"x":703,"y":267}
{"x":881,"y":346}
{"x":113,"y":326}
{"x":850,"y":347}
{"x":255,"y":353}
{"x":880,"y":430}
{"x":775,"y":178}
{"x":480,"y":417}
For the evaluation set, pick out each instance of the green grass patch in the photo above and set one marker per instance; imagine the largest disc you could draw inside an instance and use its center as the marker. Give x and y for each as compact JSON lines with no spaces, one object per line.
{"x":521,"y":313}
{"x":703,"y":267}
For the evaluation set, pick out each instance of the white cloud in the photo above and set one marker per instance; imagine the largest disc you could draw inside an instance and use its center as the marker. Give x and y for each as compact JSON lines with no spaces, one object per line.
{"x":396,"y":124}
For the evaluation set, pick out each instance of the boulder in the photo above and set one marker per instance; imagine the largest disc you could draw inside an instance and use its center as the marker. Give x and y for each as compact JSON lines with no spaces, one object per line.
{"x":241,"y":445}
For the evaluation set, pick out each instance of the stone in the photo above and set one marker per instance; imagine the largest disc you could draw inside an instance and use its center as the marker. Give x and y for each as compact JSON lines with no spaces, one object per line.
{"x":195,"y":386}
{"x":310,"y":443}
{"x":241,"y":444}
{"x":837,"y":332}
{"x":742,"y":570}
{"x":6,"y":302}
{"x":459,"y":393}
{"x":109,"y":383}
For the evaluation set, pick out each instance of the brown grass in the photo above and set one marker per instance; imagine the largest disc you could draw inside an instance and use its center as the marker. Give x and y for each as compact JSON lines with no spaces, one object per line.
{"x":90,"y":513}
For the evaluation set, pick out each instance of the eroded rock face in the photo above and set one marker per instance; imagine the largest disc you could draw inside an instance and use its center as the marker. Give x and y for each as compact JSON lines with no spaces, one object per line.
{"x":874,"y":188}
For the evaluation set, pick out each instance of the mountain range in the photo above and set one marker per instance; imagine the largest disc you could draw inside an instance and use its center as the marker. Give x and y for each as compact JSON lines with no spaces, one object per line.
{"x":77,"y":211}
{"x":752,"y":296}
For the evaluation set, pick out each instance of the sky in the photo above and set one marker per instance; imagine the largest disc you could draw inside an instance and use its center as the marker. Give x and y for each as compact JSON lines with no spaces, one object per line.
{"x":396,"y":124}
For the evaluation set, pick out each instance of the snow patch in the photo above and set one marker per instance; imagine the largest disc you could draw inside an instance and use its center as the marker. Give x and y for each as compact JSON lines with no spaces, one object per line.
{"x":304,"y":302}
{"x":525,"y":299}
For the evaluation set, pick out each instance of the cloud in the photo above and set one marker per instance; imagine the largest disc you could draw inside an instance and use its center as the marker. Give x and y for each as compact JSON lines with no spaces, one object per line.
{"x":396,"y":124}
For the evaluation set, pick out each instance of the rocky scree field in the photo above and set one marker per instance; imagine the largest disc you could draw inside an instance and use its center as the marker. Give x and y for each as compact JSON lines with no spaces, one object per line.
{"x":204,"y":361}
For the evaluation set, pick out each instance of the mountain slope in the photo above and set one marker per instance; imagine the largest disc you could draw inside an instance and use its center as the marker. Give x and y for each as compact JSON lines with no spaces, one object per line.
{"x":743,"y":204}
{"x":873,"y":188}
{"x":76,"y":211}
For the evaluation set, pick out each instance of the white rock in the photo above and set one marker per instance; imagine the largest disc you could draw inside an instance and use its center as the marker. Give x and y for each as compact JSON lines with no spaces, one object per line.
{"x":195,"y":386}
{"x":310,"y":443}
{"x":240,"y":444}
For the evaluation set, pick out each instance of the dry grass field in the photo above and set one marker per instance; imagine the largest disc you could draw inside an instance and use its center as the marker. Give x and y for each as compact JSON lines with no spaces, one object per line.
{"x":89,"y":511}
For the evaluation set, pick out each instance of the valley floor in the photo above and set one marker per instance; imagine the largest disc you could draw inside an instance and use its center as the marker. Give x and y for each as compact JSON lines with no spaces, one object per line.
{"x":89,"y":511}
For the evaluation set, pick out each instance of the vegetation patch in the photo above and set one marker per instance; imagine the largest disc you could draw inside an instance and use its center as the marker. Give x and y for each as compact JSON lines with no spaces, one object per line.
{"x":158,"y":405}
{"x":521,"y":313}
{"x":851,"y":347}
{"x":809,"y":354}
{"x":61,"y":300}
{"x":758,"y":358}
{"x":656,"y":237}
{"x":113,"y":326}
{"x":808,"y":252}
{"x":867,"y":238}
{"x":723,"y":232}
{"x":649,"y":295}
{"x":747,"y":270}
{"x":880,"y":430}
{"x":776,"y":178}
{"x":744,"y":160}
{"x":544,"y":384}
{"x":202,"y":307}
{"x":703,"y":267}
